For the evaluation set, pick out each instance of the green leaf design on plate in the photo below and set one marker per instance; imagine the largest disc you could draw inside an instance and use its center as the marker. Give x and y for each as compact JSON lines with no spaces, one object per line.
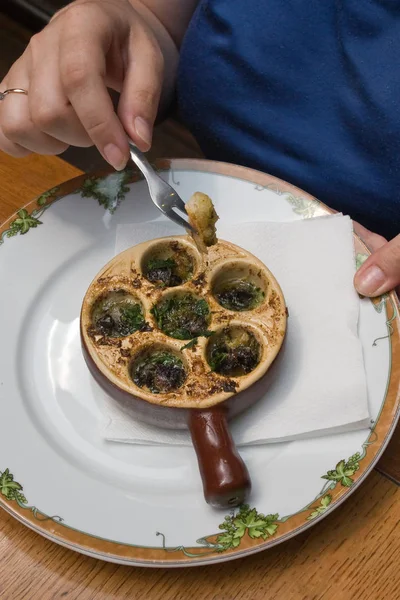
{"x":247,"y":520}
{"x":360,"y":259}
{"x":43,"y":198}
{"x":108,"y":191}
{"x":302,"y":206}
{"x":11,"y":489}
{"x":23,"y":223}
{"x":319,"y":510}
{"x":344,"y":471}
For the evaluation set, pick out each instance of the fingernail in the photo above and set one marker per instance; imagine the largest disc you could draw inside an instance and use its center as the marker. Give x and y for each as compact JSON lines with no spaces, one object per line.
{"x":143,"y":130}
{"x":115,"y":157}
{"x":370,"y":281}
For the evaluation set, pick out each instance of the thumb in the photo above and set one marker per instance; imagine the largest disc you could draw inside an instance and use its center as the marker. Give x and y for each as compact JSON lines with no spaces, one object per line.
{"x":381,"y":271}
{"x":140,"y":96}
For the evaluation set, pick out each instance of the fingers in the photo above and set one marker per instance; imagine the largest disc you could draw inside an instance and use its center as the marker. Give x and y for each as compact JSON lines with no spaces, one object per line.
{"x":16,"y":124}
{"x":49,"y":108}
{"x":381,"y":271}
{"x":66,"y":70}
{"x":372,"y":240}
{"x":141,"y":90}
{"x":5,"y":144}
{"x":63,"y":70}
{"x":11,"y":148}
{"x":82,"y":73}
{"x":19,"y":129}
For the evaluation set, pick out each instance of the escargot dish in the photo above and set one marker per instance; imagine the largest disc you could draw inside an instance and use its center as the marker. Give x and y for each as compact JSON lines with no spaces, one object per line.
{"x":183,"y":324}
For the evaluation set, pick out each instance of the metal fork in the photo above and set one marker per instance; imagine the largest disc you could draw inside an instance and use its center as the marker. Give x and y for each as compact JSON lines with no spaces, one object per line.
{"x":161,"y":193}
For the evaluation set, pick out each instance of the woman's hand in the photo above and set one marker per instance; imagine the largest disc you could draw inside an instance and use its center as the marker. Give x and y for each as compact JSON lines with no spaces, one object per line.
{"x":89,"y":46}
{"x":381,"y":271}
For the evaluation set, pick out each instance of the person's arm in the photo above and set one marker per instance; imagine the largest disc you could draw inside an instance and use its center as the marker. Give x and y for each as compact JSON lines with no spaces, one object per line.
{"x":174,"y":15}
{"x":89,"y":46}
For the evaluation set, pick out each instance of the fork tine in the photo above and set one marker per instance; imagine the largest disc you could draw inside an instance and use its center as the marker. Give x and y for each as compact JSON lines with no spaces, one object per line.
{"x":179,"y":204}
{"x":161,"y":193}
{"x":178,"y":220}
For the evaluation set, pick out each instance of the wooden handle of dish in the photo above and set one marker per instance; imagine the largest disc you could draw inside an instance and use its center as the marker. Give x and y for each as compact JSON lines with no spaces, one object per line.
{"x":226,"y":480}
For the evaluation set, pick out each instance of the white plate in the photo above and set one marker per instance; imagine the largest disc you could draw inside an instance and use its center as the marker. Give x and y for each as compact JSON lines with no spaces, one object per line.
{"x":144,"y":505}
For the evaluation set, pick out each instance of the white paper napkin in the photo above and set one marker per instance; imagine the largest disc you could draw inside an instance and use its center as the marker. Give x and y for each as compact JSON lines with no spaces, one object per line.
{"x":317,"y":384}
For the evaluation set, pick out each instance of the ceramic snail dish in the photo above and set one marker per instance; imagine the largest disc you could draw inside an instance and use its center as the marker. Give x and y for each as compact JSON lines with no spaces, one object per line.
{"x":185,"y":335}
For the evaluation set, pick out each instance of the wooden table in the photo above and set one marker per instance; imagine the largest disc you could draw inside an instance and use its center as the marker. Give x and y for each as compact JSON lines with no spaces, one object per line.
{"x":352,"y":555}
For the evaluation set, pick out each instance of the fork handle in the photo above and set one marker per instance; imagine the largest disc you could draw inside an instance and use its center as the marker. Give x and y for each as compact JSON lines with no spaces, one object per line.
{"x":140,"y":160}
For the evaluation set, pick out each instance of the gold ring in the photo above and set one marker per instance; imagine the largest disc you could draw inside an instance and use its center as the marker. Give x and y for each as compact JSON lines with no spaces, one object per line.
{"x":12,"y":91}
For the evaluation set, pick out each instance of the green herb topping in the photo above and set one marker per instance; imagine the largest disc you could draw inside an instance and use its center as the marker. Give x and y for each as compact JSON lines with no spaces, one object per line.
{"x":169,"y":271}
{"x":192,"y":344}
{"x":182,"y":316}
{"x":117,"y":314}
{"x":240,"y":294}
{"x":233,"y":352}
{"x":159,"y":371}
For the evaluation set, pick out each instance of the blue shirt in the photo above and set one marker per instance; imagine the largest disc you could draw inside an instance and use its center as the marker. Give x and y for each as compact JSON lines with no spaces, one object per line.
{"x":307,"y":90}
